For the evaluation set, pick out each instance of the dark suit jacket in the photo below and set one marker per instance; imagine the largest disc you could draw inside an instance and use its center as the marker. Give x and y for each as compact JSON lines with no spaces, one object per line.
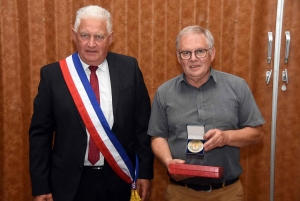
{"x":58,"y":136}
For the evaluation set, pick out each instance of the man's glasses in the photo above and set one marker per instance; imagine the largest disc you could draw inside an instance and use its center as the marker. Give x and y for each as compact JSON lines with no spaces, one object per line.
{"x":186,"y":55}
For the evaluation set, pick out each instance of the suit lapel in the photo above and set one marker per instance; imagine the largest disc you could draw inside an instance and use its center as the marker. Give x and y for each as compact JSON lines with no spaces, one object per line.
{"x":114,"y":79}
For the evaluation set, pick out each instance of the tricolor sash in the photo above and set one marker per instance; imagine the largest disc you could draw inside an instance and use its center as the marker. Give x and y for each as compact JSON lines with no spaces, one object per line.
{"x":94,"y":119}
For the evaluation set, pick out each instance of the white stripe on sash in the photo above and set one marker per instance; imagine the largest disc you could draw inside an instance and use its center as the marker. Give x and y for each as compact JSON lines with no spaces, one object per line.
{"x":110,"y":152}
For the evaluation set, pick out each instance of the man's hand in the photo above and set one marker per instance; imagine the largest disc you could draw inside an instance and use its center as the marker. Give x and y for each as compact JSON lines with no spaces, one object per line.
{"x":46,"y":197}
{"x":236,"y":138}
{"x":143,"y":188}
{"x":215,"y":138}
{"x":178,"y":177}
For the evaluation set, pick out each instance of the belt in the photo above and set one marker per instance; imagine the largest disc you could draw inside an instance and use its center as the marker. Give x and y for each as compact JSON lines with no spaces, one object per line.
{"x":93,"y":167}
{"x":208,"y":188}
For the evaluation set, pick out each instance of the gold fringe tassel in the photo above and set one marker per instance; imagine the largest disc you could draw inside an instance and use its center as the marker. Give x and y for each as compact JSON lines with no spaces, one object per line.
{"x":135,"y":196}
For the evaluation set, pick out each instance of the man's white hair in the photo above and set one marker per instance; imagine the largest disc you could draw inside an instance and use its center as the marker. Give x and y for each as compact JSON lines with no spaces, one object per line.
{"x":195,"y":29}
{"x":93,"y":12}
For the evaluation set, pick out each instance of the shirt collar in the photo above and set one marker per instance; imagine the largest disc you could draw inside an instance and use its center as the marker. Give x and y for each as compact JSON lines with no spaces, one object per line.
{"x":103,"y":66}
{"x":212,"y":75}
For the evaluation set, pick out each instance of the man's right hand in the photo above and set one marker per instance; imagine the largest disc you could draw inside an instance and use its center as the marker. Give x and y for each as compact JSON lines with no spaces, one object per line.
{"x":178,"y":177}
{"x":47,"y":197}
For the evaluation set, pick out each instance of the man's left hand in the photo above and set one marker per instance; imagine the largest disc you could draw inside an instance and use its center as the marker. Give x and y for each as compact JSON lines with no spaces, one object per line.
{"x":215,"y":138}
{"x":143,"y":188}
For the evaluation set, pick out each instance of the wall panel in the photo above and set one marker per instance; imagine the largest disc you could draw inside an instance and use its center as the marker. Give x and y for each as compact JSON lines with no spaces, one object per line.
{"x":12,"y":109}
{"x":132,"y":22}
{"x":287,"y":161}
{"x":201,"y":13}
{"x":214,"y":24}
{"x":145,"y":40}
{"x":159,"y":49}
{"x":119,"y":12}
{"x":173,"y":20}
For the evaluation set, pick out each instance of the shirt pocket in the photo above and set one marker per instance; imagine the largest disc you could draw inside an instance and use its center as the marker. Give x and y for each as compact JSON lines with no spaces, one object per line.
{"x":225,"y":117}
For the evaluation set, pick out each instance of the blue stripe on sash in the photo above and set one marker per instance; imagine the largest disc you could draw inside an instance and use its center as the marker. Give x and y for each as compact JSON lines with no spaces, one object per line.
{"x":95,"y":104}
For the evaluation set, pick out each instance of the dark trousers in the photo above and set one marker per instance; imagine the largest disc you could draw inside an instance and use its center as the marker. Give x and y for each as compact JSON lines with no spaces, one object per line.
{"x":102,"y":185}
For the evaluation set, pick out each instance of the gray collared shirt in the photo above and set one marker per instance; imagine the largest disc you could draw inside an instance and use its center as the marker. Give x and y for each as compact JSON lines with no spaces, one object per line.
{"x":224,"y":102}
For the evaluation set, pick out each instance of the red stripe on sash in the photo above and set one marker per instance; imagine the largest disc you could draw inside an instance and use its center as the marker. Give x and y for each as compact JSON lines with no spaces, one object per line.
{"x":88,"y":123}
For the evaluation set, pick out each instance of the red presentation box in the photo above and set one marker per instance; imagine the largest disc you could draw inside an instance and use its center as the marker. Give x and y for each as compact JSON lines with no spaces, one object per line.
{"x":196,"y":170}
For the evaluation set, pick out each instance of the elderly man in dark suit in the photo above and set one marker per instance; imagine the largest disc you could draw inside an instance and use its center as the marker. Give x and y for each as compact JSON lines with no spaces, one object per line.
{"x":88,"y":130}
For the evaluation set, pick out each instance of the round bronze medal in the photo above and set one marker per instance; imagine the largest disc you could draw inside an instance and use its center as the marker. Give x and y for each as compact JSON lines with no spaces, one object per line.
{"x":195,"y":146}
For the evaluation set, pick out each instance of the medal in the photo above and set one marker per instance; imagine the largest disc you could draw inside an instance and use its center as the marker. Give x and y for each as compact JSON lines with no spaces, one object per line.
{"x":195,"y":146}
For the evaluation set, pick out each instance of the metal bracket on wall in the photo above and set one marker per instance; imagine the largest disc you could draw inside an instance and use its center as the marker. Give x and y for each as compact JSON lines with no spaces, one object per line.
{"x":268,"y":76}
{"x":285,"y":78}
{"x":270,"y":41}
{"x":287,"y":46}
